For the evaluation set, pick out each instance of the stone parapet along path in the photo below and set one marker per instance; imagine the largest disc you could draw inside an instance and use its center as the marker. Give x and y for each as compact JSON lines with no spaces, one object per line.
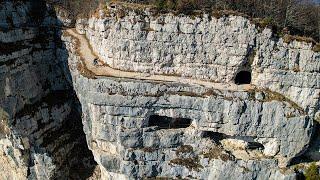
{"x":88,"y":57}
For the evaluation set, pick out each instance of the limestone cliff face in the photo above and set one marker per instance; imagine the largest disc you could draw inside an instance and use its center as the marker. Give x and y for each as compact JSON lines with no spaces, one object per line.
{"x":206,"y":47}
{"x":233,"y":133}
{"x":202,"y":124}
{"x":40,"y":117}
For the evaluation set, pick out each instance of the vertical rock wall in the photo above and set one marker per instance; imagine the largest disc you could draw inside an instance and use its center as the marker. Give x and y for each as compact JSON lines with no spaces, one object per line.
{"x":41,"y":134}
{"x":205,"y":47}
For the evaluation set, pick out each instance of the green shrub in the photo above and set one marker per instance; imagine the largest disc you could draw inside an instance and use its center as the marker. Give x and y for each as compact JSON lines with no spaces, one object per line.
{"x":160,"y":4}
{"x":312,"y":173}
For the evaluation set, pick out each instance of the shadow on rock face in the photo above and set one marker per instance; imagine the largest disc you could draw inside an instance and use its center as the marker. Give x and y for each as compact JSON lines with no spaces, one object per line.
{"x":43,"y":112}
{"x":312,"y":153}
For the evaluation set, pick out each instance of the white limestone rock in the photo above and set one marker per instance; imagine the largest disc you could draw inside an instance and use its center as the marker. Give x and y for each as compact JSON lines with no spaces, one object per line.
{"x":277,"y":123}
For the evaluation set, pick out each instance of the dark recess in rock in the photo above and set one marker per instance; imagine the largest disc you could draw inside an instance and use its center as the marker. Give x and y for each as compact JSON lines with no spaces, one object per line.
{"x":243,"y":77}
{"x":164,"y":122}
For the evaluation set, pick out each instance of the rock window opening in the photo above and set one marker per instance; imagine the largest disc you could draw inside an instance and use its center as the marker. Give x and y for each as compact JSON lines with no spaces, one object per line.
{"x":243,"y":77}
{"x":164,"y":122}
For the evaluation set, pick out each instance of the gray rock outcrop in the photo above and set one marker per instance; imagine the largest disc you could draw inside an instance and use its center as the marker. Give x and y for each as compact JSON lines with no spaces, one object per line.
{"x":232,"y":133}
{"x":258,"y":119}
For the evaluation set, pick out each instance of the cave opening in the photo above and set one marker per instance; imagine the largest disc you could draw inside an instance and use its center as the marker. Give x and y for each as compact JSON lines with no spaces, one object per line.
{"x":165,"y":122}
{"x":243,"y":77}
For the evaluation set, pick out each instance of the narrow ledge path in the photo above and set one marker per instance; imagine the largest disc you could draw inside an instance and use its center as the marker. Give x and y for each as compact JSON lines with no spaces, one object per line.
{"x":106,"y":71}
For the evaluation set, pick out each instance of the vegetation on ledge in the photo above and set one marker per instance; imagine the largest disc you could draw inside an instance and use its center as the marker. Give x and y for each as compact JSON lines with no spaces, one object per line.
{"x":312,"y":172}
{"x":296,"y":17}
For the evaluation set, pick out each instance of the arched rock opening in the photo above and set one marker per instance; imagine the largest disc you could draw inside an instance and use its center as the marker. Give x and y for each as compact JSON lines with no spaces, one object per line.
{"x":243,"y":77}
{"x":164,"y":122}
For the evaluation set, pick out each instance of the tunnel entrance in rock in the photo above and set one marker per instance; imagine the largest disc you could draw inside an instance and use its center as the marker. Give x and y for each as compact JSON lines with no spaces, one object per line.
{"x":243,"y":77}
{"x":164,"y":122}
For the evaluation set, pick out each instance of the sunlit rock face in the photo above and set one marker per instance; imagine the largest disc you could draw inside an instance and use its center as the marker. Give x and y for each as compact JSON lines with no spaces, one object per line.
{"x":139,"y":129}
{"x":255,"y":123}
{"x":205,"y":47}
{"x":40,"y":117}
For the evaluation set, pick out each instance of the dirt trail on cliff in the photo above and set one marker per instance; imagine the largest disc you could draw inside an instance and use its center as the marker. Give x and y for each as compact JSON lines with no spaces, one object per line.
{"x":88,"y":57}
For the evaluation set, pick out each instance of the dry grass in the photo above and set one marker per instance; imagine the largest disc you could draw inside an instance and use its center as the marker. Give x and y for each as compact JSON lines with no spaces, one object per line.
{"x":132,"y":6}
{"x":221,"y":13}
{"x":274,"y":96}
{"x":190,"y":163}
{"x":289,"y":38}
{"x":148,"y":29}
{"x":184,"y":149}
{"x":4,"y":127}
{"x":185,"y":93}
{"x":316,"y":47}
{"x":217,"y":153}
{"x":148,"y":149}
{"x":121,"y":14}
{"x":83,"y":70}
{"x":209,"y":92}
{"x":262,"y":22}
{"x":296,"y":68}
{"x":270,"y":96}
{"x":179,"y":93}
